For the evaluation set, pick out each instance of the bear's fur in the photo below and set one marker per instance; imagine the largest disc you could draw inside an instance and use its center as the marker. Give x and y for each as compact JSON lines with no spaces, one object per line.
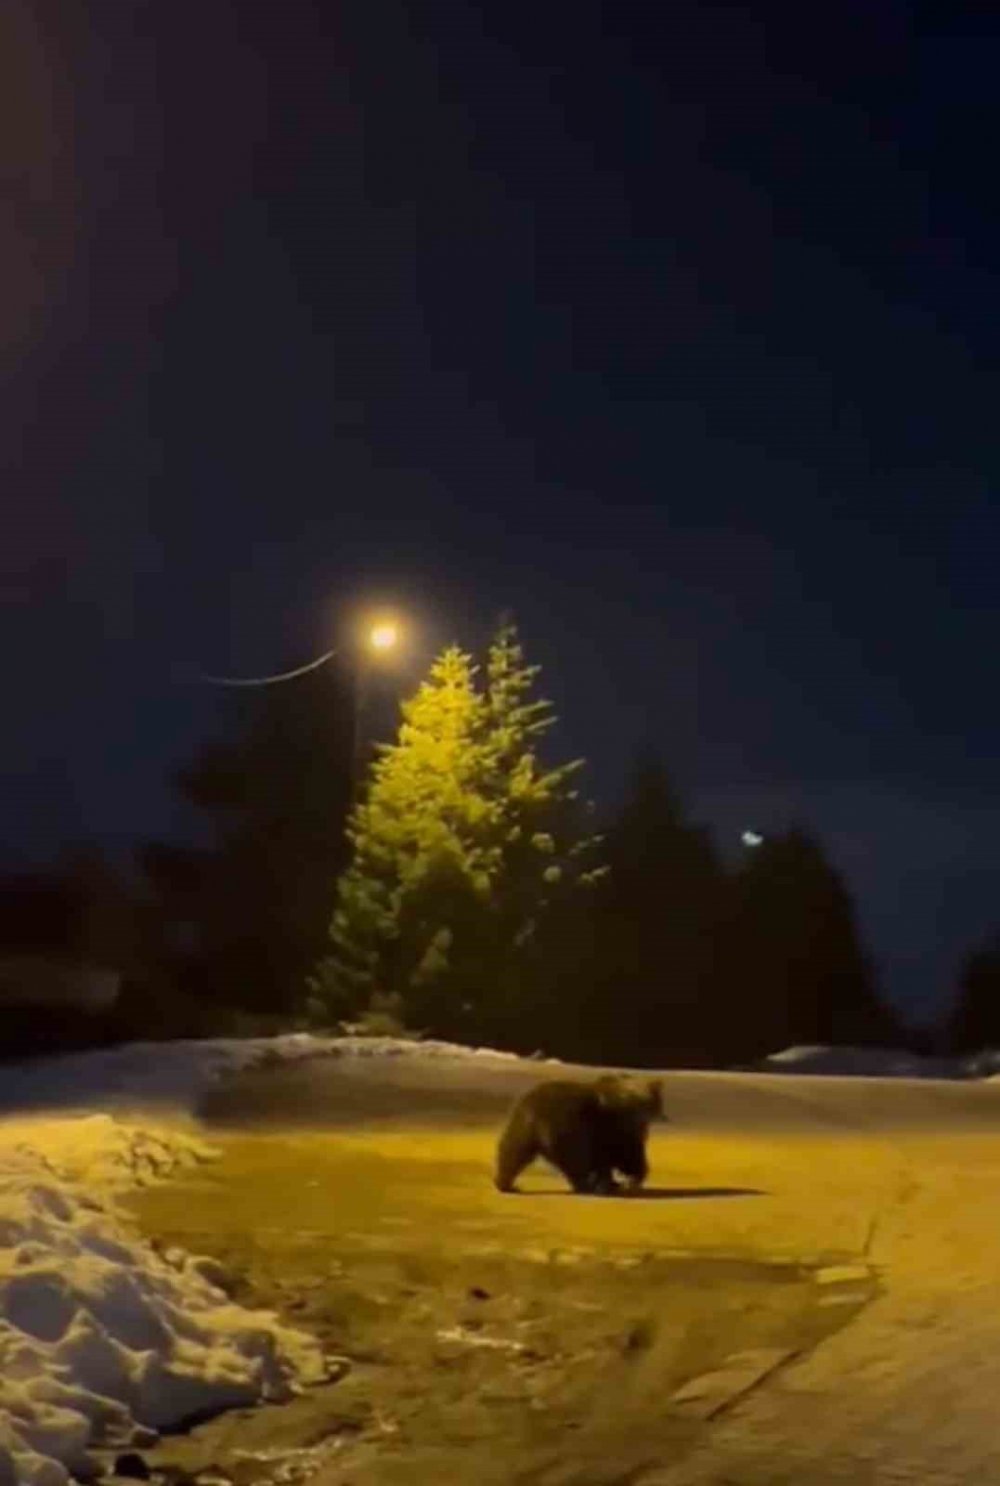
{"x":588,"y":1131}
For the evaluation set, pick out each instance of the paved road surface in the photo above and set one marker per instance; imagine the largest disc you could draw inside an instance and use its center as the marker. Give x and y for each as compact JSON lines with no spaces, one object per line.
{"x":768,"y":1175}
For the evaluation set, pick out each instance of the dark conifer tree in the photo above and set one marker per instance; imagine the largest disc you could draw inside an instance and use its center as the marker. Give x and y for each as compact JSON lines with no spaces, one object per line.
{"x":792,"y":968}
{"x":68,"y":940}
{"x":637,"y":965}
{"x":975,"y":1020}
{"x":244,"y":918}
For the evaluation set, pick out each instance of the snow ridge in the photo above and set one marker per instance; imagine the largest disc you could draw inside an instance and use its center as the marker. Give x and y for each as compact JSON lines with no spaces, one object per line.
{"x":101,"y":1337}
{"x":103,"y":1340}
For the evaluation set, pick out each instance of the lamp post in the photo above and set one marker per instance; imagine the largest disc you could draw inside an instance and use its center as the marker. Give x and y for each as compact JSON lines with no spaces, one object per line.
{"x":380,"y":638}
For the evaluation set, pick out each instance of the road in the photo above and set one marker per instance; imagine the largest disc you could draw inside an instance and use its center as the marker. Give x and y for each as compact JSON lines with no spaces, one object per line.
{"x":841,"y":1231}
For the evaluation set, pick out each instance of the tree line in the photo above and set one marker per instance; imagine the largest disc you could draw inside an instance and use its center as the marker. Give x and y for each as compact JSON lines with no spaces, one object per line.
{"x":467,"y":890}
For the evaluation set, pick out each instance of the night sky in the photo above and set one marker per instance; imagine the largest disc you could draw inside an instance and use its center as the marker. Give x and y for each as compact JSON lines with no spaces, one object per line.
{"x":672,"y":327}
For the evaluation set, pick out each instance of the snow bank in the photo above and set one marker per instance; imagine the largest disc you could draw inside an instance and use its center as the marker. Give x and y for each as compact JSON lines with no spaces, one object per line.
{"x":103,"y":1340}
{"x":144,"y":1074}
{"x":395,"y":1047}
{"x":176,"y":1074}
{"x":984,"y":1064}
{"x":863,"y":1062}
{"x":99,"y":1152}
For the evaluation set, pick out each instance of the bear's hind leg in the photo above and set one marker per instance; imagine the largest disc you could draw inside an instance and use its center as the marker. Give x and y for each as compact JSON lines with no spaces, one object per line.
{"x":517,"y":1149}
{"x":573,"y":1156}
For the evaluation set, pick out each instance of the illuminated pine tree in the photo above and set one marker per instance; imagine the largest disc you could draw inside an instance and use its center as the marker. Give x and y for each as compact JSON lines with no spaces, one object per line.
{"x":462,"y":839}
{"x":545,"y":850}
{"x":421,"y":824}
{"x":505,"y":971}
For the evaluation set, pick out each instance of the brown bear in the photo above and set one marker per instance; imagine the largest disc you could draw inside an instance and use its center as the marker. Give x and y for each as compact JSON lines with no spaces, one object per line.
{"x":588,"y":1131}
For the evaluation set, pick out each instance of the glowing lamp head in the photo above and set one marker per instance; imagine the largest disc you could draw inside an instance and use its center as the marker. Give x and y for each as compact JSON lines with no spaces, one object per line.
{"x":383,"y":636}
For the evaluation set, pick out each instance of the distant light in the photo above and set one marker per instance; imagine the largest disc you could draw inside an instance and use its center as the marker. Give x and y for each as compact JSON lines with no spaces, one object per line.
{"x":383,"y":636}
{"x":751,"y":838}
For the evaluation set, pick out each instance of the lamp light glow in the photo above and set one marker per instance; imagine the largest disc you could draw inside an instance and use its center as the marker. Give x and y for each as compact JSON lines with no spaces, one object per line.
{"x":383,"y":636}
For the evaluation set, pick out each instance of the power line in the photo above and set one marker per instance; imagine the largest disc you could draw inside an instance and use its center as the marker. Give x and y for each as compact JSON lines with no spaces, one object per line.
{"x":313,"y":665}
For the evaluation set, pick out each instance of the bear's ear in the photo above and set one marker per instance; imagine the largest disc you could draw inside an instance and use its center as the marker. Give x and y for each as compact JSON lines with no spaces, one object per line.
{"x":654,"y":1094}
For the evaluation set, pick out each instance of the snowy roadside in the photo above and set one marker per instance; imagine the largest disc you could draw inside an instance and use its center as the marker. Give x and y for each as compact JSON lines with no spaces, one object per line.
{"x":103,"y":1340}
{"x":877,"y":1062}
{"x":173,"y":1075}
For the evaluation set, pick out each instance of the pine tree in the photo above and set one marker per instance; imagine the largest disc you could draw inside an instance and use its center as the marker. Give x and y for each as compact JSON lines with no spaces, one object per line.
{"x":642,"y":961}
{"x":794,"y":971}
{"x":548,"y":854}
{"x":540,"y":811}
{"x":243,"y":918}
{"x":421,"y":845}
{"x":975,"y":1019}
{"x":461,"y":841}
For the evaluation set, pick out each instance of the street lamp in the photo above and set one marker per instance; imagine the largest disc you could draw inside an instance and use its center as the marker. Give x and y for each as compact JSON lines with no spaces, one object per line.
{"x":374,"y":640}
{"x":383,"y":636}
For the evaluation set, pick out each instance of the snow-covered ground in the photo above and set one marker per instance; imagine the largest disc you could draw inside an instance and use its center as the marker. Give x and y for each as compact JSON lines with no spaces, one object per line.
{"x":103,"y":1340}
{"x":173,"y":1075}
{"x":877,"y":1062}
{"x":139,"y":1075}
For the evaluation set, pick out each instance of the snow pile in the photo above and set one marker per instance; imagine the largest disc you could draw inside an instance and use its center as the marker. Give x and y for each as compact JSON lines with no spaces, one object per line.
{"x":103,"y":1340}
{"x":862,"y":1062}
{"x":99,"y":1152}
{"x":984,"y":1064}
{"x":145,"y":1074}
{"x":396,"y":1047}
